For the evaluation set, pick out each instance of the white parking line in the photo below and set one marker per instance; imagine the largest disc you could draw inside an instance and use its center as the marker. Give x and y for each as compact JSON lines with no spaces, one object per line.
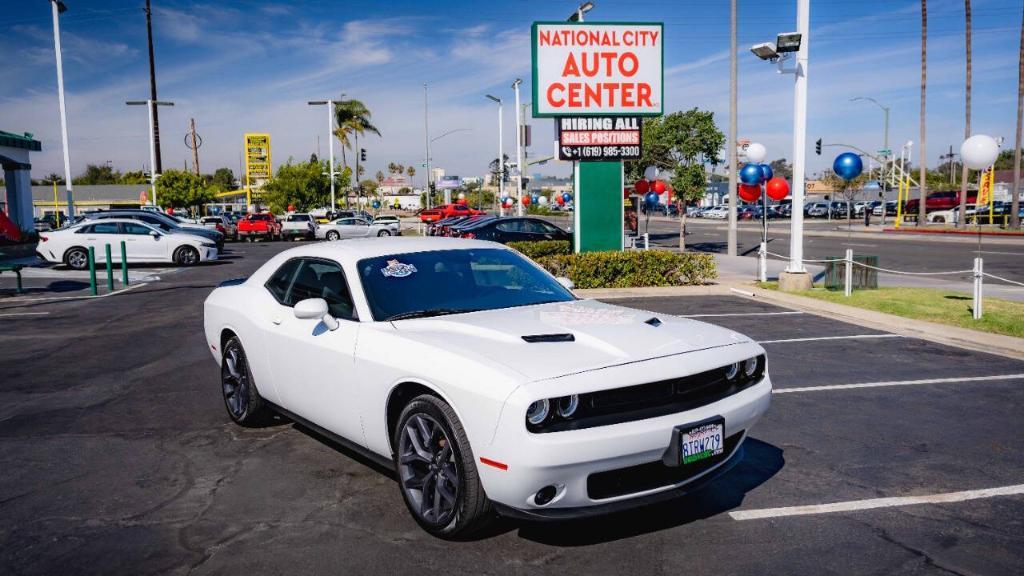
{"x":872,"y":503}
{"x":1002,"y":253}
{"x":24,"y":314}
{"x":740,"y":314}
{"x":831,"y":338}
{"x":898,"y":383}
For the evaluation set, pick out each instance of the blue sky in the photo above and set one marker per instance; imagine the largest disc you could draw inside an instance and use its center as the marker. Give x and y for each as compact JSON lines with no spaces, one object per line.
{"x":241,"y":66}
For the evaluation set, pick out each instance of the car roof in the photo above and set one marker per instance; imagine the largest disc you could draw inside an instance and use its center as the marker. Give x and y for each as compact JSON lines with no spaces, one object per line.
{"x":360,"y":248}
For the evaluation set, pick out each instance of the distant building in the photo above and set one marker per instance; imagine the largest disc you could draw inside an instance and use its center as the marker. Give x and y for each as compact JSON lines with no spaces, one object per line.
{"x":436,"y":174}
{"x":14,"y":158}
{"x":394,"y":184}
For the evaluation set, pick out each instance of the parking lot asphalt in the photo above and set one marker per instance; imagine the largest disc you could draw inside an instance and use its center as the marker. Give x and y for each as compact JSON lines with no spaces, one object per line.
{"x":119,"y":458}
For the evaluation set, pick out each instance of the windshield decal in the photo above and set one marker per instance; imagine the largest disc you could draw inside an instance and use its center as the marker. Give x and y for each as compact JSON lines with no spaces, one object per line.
{"x":396,"y":269}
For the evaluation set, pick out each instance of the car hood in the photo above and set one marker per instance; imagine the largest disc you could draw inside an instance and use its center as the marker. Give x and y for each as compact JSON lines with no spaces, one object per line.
{"x":604,"y":335}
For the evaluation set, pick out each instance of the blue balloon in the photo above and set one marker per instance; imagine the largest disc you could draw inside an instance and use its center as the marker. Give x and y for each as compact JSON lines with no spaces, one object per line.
{"x":534,"y":199}
{"x":651,"y":198}
{"x":504,"y":199}
{"x":766,"y":173}
{"x":848,"y":166}
{"x":751,"y":174}
{"x":566,"y":196}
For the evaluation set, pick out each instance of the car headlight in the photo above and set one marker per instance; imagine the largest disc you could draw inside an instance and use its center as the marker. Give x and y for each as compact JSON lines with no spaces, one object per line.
{"x":538,"y":411}
{"x":750,"y":366}
{"x":567,"y":405}
{"x":732,"y":371}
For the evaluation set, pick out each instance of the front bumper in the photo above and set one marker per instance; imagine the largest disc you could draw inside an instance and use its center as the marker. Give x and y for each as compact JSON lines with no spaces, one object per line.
{"x":567,"y":460}
{"x":207,"y":254}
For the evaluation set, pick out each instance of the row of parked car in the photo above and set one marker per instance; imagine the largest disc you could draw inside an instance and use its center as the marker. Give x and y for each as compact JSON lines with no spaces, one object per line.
{"x":498,"y":229}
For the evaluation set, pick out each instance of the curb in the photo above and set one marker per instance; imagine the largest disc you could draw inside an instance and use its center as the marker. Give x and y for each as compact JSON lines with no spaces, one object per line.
{"x":966,"y":338}
{"x":991,"y":239}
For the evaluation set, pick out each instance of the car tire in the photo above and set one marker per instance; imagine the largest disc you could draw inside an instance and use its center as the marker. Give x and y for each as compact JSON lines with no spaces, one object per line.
{"x":333,"y":235}
{"x":445,"y":457}
{"x":186,"y":256}
{"x":77,"y":258}
{"x":242,"y":400}
{"x":383,"y":233}
{"x":939,"y":219}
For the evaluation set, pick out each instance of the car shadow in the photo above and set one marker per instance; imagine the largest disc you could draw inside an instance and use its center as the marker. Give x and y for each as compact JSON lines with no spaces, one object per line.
{"x":760,"y":462}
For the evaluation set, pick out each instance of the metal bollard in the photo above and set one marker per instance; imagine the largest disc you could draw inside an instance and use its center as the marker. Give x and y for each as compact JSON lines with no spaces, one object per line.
{"x":848,"y":285}
{"x":124,"y":265}
{"x":110,"y":269}
{"x":92,"y":270}
{"x":647,"y":241}
{"x":762,"y":262}
{"x":978,"y":288}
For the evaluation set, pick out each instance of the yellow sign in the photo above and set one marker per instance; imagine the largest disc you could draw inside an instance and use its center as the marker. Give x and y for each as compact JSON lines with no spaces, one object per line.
{"x":257,"y":161}
{"x":985,"y":187}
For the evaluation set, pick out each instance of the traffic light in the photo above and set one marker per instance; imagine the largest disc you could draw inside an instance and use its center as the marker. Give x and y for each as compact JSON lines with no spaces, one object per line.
{"x":362,"y":153}
{"x":817,"y":147}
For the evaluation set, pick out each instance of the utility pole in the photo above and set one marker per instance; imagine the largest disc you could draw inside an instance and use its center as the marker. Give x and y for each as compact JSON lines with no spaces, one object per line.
{"x":519,"y":152}
{"x":426,"y":144}
{"x":732,"y":133}
{"x":158,"y":167}
{"x":796,"y":238}
{"x":151,"y":106}
{"x":59,"y":7}
{"x":195,"y":146}
{"x":359,"y":187}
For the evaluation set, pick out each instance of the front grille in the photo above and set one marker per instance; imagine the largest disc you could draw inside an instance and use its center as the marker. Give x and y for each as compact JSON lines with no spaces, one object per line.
{"x":650,"y":400}
{"x":651,"y":475}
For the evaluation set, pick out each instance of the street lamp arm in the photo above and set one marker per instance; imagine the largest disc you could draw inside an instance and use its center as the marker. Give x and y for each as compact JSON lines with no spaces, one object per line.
{"x":451,"y":132}
{"x":870,"y":99}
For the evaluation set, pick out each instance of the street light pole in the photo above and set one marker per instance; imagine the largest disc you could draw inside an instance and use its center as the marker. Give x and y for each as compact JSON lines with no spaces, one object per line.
{"x":519,"y":152}
{"x":151,"y":106}
{"x":731,"y":234}
{"x":58,"y":7}
{"x":426,"y":146}
{"x":796,"y":238}
{"x":330,"y":144}
{"x":886,"y":138}
{"x":501,"y":156}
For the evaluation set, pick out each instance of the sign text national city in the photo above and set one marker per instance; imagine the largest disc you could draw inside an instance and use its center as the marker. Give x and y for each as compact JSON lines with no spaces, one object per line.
{"x":599,"y":68}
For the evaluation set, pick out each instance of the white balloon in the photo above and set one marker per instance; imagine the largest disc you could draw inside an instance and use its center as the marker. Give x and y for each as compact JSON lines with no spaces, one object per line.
{"x":756,"y":153}
{"x":542,"y":200}
{"x":462,"y":195}
{"x":651,"y":173}
{"x":979,"y":151}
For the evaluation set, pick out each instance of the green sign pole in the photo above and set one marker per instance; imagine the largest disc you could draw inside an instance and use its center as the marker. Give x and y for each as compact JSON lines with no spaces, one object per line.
{"x":599,"y":210}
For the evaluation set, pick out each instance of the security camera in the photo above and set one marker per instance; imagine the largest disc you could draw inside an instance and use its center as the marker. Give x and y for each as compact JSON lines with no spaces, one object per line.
{"x":765,"y":51}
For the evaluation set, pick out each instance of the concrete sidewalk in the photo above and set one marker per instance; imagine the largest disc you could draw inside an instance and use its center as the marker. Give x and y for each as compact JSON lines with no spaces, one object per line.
{"x":743,"y":270}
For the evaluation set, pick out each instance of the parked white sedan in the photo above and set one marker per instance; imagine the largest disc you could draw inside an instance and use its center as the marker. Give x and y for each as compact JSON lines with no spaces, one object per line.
{"x":482,"y":380}
{"x":143,"y":243}
{"x":353,"y":228}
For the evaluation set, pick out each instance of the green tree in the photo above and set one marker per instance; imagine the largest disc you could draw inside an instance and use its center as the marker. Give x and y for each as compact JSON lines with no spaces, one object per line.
{"x":134,"y":177}
{"x":182,"y":189}
{"x":352,"y":119}
{"x":304,"y":185}
{"x":782,"y":169}
{"x":370,"y":186}
{"x":411,"y":171}
{"x":224,"y":178}
{"x":95,"y":174}
{"x":380,"y":177}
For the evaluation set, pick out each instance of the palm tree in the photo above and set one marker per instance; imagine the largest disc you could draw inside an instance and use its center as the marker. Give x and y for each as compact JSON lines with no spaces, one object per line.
{"x":967,"y":115}
{"x":921,"y":215}
{"x":411,"y":171}
{"x":1015,"y":202}
{"x":392,"y":167}
{"x":352,"y":119}
{"x":380,"y":177}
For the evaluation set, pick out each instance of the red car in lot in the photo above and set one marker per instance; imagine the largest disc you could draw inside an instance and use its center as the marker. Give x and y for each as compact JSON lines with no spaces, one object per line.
{"x":938,"y":201}
{"x":262,"y":225}
{"x":446,"y":211}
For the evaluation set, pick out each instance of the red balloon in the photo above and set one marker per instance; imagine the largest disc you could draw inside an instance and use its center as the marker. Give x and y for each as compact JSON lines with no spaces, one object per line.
{"x":750,"y":192}
{"x":291,"y":207}
{"x":526,"y":200}
{"x":777,"y":188}
{"x":560,"y":200}
{"x":461,"y":201}
{"x":641,"y":186}
{"x":626,"y":193}
{"x":658,"y":187}
{"x":170,"y":210}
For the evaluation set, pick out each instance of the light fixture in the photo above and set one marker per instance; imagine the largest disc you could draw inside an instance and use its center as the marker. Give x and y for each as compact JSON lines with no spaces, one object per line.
{"x":577,"y":15}
{"x":764,"y":51}
{"x":788,"y":42}
{"x":495,"y":98}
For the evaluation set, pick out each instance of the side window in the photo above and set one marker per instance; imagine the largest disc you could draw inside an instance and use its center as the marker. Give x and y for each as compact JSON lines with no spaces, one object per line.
{"x":104,"y":228}
{"x":138,"y":229}
{"x":87,"y":229}
{"x":281,"y":281}
{"x":511,"y":226}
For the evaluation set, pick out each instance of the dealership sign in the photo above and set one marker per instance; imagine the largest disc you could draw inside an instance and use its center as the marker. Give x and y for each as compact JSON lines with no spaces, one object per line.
{"x":599,"y":138}
{"x":448,"y":182}
{"x":597,"y":69}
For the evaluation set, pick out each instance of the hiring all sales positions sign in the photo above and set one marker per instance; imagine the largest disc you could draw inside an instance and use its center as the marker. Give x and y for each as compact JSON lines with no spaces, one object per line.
{"x":597,"y":69}
{"x":601,"y":138}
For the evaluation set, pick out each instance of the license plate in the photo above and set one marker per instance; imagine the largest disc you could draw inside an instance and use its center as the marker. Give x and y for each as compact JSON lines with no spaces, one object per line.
{"x":702,"y":441}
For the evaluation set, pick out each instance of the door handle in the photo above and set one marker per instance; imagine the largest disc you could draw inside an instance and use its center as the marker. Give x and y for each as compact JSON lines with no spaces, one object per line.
{"x":276,"y":320}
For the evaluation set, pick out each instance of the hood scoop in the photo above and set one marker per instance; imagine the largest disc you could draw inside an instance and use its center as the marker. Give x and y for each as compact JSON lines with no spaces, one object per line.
{"x":535,"y":338}
{"x":655,"y":321}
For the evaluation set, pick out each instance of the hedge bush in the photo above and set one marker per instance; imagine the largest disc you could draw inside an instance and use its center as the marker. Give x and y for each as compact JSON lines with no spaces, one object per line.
{"x":537,"y":250}
{"x":632,"y":269}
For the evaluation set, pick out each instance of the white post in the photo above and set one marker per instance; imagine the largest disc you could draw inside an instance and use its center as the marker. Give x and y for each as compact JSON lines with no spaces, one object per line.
{"x":978,"y":287}
{"x":330,"y":150}
{"x":63,"y":110}
{"x":426,"y":144}
{"x":796,"y":238}
{"x":762,"y":262}
{"x":501,"y":164}
{"x":848,"y":284}
{"x":647,"y":241}
{"x":519,"y":153}
{"x":152,"y":150}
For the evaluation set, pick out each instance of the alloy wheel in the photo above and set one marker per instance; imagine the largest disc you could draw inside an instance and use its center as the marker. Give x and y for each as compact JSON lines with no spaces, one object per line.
{"x":78,"y":259}
{"x":428,"y":470}
{"x":235,"y":382}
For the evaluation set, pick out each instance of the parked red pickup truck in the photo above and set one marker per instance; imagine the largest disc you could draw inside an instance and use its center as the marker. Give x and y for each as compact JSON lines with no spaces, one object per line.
{"x":262,"y":225}
{"x":447,"y":210}
{"x":938,"y":201}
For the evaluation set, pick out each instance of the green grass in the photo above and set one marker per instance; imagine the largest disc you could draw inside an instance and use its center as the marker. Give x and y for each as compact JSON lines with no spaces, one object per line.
{"x":941,"y":306}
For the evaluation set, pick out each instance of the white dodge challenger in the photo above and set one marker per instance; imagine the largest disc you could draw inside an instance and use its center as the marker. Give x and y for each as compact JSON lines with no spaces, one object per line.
{"x":482,"y":380}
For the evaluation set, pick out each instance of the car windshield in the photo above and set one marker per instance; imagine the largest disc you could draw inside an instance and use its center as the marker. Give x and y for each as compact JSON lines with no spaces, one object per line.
{"x":421,"y":284}
{"x":298,"y":218}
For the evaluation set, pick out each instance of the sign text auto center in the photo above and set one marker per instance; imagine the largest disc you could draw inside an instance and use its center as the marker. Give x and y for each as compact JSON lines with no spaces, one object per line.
{"x":597,"y":69}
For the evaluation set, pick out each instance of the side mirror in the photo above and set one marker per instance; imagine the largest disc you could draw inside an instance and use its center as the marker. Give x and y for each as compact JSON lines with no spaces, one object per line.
{"x":315,"y":309}
{"x":154,"y":233}
{"x":566,"y":283}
